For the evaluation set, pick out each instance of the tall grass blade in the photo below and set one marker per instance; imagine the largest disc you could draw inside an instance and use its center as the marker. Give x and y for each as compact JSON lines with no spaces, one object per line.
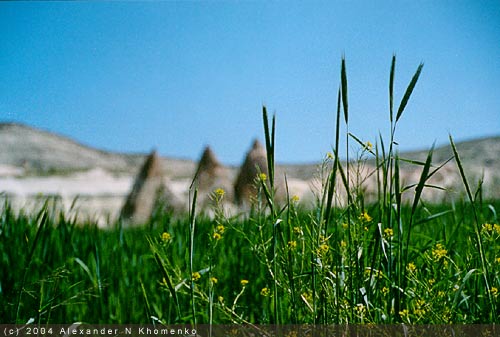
{"x":418,"y":191}
{"x":333,"y":174}
{"x":269,"y":136}
{"x":170,"y":287}
{"x":391,"y":87}
{"x":479,"y":240}
{"x":343,"y":79}
{"x":44,"y":217}
{"x":409,"y":91}
{"x":192,"y":226}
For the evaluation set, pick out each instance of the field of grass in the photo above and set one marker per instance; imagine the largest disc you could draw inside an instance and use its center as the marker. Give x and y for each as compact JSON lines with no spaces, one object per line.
{"x":344,"y":261}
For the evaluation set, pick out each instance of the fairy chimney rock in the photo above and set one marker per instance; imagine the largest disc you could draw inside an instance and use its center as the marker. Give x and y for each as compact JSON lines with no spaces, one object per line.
{"x":255,"y":163}
{"x":147,"y":186}
{"x":212,"y":175}
{"x":208,"y":169}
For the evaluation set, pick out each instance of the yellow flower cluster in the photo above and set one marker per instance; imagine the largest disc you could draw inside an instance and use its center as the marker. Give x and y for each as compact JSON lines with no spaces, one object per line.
{"x":244,"y":282}
{"x":292,"y":244}
{"x":219,"y":192}
{"x":219,"y":230}
{"x":263,"y":176}
{"x":404,"y":313}
{"x":324,"y":247}
{"x":420,"y":308}
{"x":439,"y":251}
{"x":196,"y":276}
{"x":488,"y":228}
{"x":360,"y":308}
{"x":295,"y":198}
{"x":365,"y":217}
{"x":265,"y":292}
{"x":411,"y":267}
{"x":388,"y":233}
{"x":165,"y":236}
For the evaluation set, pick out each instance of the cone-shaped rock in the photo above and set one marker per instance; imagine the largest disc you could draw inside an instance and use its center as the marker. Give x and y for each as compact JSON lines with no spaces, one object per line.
{"x":211,"y":175}
{"x":147,"y":188}
{"x":255,"y":163}
{"x":208,"y":169}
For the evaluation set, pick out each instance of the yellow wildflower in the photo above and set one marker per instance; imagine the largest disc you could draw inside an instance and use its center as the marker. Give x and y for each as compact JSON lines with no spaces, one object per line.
{"x":365,"y":217}
{"x":165,"y":236}
{"x":343,"y":244}
{"x":329,"y":155}
{"x":265,"y":292}
{"x":244,"y":282}
{"x":360,"y":308}
{"x":497,"y":259}
{"x":295,"y":198}
{"x":196,"y":276}
{"x":439,"y":251}
{"x":221,"y":299}
{"x":385,"y":290}
{"x":411,"y":267}
{"x":219,"y":192}
{"x":214,"y":280}
{"x":496,"y":228}
{"x":221,"y":229}
{"x":345,"y":225}
{"x":217,"y":236}
{"x":420,"y":308}
{"x":404,"y":313}
{"x":263,"y":176}
{"x":419,"y":311}
{"x":292,"y":244}
{"x":494,"y":291}
{"x":368,"y":146}
{"x":432,"y":281}
{"x":297,"y":230}
{"x":486,"y":227}
{"x":324,"y":248}
{"x":388,"y":233}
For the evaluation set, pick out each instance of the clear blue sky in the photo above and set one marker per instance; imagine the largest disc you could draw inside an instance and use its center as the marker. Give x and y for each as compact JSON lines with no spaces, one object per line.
{"x":175,"y":76}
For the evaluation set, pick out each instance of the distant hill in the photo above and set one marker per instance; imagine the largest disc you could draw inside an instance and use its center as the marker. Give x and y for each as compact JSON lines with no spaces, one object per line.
{"x":40,"y":152}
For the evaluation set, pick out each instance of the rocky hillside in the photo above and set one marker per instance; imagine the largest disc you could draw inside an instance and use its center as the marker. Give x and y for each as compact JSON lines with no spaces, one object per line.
{"x":39,"y":152}
{"x":36,"y":163}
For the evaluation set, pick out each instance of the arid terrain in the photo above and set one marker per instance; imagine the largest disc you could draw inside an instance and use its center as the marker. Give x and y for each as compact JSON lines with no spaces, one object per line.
{"x":35,"y":164}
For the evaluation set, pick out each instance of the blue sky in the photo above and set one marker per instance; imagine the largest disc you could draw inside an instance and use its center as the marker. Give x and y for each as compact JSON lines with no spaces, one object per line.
{"x":176,"y":76}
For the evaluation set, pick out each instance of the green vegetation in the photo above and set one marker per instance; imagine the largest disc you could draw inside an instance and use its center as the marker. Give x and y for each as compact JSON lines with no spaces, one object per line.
{"x":344,"y":261}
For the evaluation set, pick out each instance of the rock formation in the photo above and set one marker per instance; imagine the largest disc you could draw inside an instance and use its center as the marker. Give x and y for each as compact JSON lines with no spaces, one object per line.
{"x":255,"y":163}
{"x":211,"y":175}
{"x":148,"y":190}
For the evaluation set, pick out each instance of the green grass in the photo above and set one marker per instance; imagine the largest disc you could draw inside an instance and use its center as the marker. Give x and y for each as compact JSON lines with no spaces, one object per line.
{"x":343,"y":261}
